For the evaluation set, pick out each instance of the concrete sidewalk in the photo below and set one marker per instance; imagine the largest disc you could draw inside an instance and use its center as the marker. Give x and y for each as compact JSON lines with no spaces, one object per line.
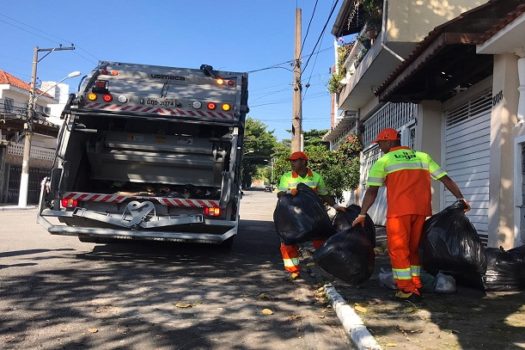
{"x":467,"y":319}
{"x":4,"y":207}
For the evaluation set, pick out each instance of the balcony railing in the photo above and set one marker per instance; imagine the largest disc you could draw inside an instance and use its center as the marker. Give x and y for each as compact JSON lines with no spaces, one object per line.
{"x":364,"y":41}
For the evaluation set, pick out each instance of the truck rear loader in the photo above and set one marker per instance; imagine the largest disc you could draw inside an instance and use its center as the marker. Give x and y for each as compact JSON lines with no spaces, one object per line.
{"x":149,"y":152}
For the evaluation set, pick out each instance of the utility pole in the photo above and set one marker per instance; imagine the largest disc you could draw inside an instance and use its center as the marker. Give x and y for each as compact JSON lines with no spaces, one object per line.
{"x":28,"y":125}
{"x":297,"y":111}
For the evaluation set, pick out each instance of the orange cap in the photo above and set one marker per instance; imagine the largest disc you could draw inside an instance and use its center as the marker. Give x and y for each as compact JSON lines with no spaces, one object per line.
{"x":387,"y":134}
{"x":298,"y":155}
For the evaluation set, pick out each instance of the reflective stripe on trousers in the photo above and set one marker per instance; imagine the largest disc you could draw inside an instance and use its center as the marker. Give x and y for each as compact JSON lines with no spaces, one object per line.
{"x":403,"y":237}
{"x":290,"y":254}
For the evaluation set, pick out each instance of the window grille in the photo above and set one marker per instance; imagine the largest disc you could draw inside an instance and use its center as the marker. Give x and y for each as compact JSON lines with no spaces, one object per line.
{"x":391,"y":115}
{"x":469,"y":110}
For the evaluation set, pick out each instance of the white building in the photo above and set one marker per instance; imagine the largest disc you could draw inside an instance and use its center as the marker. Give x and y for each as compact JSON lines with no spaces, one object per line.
{"x":61,"y":93}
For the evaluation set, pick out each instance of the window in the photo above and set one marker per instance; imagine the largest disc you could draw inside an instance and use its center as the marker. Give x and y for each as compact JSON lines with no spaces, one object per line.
{"x":8,"y":105}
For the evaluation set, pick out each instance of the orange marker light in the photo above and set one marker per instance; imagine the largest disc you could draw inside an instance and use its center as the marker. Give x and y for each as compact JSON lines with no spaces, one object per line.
{"x":212,"y":105}
{"x":220,"y":81}
{"x":91,"y":96}
{"x":212,"y":211}
{"x":226,"y":107}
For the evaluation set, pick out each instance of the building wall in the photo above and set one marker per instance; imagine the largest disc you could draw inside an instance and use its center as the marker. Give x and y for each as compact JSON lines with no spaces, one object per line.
{"x":401,"y":26}
{"x":429,"y":120}
{"x":503,"y":130}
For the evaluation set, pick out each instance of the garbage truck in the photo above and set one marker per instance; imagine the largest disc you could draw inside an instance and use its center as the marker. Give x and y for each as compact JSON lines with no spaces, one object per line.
{"x":149,"y":152}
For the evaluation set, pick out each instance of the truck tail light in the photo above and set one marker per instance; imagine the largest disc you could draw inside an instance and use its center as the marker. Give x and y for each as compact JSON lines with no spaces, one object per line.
{"x":212,"y":211}
{"x":69,"y":203}
{"x":226,"y":107}
{"x":92,"y":96}
{"x":107,"y":98}
{"x":212,"y":106}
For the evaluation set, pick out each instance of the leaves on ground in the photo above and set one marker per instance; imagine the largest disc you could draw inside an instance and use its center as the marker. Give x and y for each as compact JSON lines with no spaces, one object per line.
{"x":93,"y":330}
{"x":360,"y":308}
{"x":183,"y":305}
{"x":267,"y":312}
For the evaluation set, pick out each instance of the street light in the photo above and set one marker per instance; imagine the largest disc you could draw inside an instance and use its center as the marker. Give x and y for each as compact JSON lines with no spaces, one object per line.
{"x":28,"y":130}
{"x":70,"y":75}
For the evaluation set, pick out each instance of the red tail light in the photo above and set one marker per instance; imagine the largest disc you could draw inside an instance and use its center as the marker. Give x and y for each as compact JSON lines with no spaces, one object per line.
{"x":107,"y":98}
{"x":69,"y":203}
{"x":212,"y":211}
{"x":212,"y":106}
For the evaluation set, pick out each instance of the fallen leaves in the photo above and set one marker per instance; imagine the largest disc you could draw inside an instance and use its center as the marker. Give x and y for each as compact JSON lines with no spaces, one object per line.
{"x":93,"y":330}
{"x":267,"y":312}
{"x":183,"y":305}
{"x":360,"y":308}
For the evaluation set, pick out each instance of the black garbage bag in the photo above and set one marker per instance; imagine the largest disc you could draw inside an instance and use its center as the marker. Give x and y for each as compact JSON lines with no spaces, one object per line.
{"x":343,"y":221}
{"x":348,"y":255}
{"x":505,"y":269}
{"x":451,"y":244}
{"x":301,"y":218}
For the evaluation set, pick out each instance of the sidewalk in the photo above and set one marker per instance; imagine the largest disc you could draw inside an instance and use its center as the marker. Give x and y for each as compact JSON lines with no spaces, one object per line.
{"x":4,"y":207}
{"x":467,"y":319}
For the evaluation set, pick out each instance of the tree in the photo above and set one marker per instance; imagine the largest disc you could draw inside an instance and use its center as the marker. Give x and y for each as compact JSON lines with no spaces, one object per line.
{"x":259,"y":144}
{"x":340,"y":168}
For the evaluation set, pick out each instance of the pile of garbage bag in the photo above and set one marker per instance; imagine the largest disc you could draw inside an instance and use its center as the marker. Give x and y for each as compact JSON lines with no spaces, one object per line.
{"x":505,"y":269}
{"x":343,"y":221}
{"x":301,"y":218}
{"x":451,"y":245}
{"x":348,"y":255}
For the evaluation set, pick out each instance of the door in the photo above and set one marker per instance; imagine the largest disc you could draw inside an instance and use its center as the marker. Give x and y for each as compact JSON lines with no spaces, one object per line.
{"x":467,"y":156}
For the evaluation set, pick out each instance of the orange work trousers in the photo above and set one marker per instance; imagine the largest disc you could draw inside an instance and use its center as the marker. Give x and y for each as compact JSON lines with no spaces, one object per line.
{"x":403,"y":237}
{"x":290,"y":254}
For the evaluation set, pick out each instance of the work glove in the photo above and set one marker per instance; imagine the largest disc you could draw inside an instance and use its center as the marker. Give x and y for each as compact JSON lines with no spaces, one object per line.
{"x":359,"y":220}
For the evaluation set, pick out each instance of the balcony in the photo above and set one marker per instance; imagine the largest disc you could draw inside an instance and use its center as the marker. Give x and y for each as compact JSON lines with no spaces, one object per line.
{"x":404,"y":23}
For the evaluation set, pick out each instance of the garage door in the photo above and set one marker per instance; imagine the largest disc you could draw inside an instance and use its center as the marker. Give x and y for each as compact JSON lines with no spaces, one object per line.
{"x":467,"y":156}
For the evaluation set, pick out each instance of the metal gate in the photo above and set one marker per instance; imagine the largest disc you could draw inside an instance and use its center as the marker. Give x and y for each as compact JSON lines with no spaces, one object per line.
{"x":467,"y":156}
{"x":35,"y":178}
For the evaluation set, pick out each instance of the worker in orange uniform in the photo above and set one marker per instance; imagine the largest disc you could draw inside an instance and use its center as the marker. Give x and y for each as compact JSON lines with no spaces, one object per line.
{"x":288,"y":184}
{"x":407,"y":176}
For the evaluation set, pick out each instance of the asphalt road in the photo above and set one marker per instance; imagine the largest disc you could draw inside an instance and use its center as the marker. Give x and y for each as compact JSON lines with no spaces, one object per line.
{"x":59,"y":293}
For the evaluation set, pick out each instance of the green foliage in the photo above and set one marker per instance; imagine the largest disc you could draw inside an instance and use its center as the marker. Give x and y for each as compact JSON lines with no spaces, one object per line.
{"x":334,"y":83}
{"x":340,"y":168}
{"x":259,"y":144}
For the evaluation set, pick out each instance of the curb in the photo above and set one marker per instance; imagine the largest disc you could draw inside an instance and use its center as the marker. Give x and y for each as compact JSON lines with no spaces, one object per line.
{"x":15,"y":207}
{"x":352,"y":323}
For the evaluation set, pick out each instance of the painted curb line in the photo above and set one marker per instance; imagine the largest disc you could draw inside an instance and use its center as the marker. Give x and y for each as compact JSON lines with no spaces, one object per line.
{"x":352,"y":323}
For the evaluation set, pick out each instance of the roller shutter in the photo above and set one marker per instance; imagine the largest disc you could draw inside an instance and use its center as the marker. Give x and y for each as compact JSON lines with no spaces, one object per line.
{"x":467,"y":156}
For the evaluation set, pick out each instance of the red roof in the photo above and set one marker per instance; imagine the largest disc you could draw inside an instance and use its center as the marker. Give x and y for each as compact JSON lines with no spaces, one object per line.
{"x":6,"y":78}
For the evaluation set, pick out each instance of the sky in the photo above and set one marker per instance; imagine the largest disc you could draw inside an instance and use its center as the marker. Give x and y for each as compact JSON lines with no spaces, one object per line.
{"x":233,"y":35}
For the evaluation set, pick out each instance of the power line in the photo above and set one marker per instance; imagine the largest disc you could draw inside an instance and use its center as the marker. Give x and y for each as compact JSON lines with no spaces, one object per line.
{"x":308,"y":27}
{"x":40,"y":33}
{"x":321,"y":34}
{"x":277,"y":65}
